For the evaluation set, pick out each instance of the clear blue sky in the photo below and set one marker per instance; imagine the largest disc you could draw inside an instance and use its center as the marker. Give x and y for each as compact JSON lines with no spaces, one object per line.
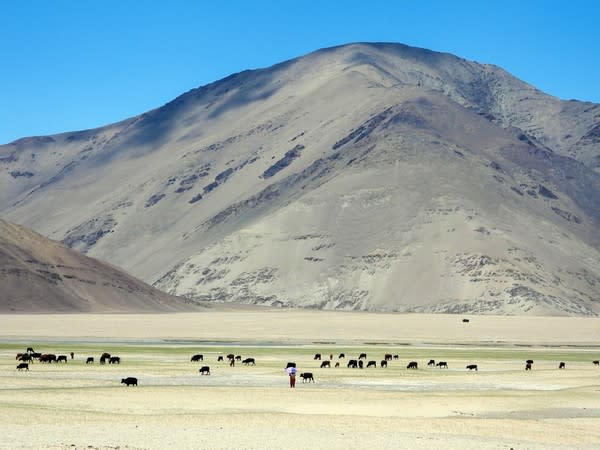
{"x":71,"y":65}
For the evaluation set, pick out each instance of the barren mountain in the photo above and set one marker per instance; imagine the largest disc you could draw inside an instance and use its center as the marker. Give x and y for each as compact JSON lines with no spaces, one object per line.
{"x":38,"y":275}
{"x":367,"y":176}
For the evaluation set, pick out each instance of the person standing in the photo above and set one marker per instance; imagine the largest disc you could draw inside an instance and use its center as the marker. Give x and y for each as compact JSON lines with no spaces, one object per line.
{"x":291,"y":371}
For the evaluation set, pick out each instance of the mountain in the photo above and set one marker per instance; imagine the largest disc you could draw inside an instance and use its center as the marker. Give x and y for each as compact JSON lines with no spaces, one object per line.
{"x":367,"y":176}
{"x":38,"y":275}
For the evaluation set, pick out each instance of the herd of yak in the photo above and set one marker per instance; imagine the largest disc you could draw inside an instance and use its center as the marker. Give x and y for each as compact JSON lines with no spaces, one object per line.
{"x":30,"y":355}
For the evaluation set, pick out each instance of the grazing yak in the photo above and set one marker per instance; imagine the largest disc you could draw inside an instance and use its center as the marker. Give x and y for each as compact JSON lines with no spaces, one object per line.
{"x":472,"y":367}
{"x":465,"y":320}
{"x":387,"y":356}
{"x":383,"y":363}
{"x":22,"y":366}
{"x":25,"y":357}
{"x":527,"y":366}
{"x":60,"y":358}
{"x":204,"y":370}
{"x":362,"y":356}
{"x":562,"y":365}
{"x":114,"y":360}
{"x":307,"y":376}
{"x":353,"y":364}
{"x":325,"y":364}
{"x":219,"y":358}
{"x":129,"y":380}
{"x":442,"y":364}
{"x":596,"y":363}
{"x":317,"y":356}
{"x":431,"y":362}
{"x":412,"y":365}
{"x":89,"y":360}
{"x":197,"y":358}
{"x":248,"y":361}
{"x":396,"y":356}
{"x":371,"y":364}
{"x":238,"y":358}
{"x":47,"y":358}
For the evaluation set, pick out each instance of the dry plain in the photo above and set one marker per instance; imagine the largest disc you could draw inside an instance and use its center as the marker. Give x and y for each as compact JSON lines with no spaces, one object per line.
{"x":75,"y":405}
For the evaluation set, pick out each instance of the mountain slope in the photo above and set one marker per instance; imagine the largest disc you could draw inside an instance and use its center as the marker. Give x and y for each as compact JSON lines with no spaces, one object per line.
{"x":367,"y":176}
{"x":38,"y":275}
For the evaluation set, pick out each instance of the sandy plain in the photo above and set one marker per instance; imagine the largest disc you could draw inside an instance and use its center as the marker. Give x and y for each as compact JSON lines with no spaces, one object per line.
{"x":81,"y":406}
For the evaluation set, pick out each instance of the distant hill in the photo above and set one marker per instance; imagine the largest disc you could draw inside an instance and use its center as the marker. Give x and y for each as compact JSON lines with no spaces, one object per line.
{"x":375,"y":177}
{"x":38,"y":275}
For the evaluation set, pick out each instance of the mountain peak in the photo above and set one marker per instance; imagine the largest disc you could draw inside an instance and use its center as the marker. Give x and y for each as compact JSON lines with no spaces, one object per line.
{"x":371,"y":176}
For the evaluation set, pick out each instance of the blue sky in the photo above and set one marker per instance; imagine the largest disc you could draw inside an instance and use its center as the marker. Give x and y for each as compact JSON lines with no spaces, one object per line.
{"x":71,"y":65}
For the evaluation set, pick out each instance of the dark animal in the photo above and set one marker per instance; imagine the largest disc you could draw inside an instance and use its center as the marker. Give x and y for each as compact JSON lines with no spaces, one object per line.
{"x":61,"y":358}
{"x":412,"y":365}
{"x":465,"y":320}
{"x":360,"y":363}
{"x":219,"y":358}
{"x":337,"y":364}
{"x":25,"y":357}
{"x":352,"y":364}
{"x":196,"y":358}
{"x":561,"y":365}
{"x":47,"y":358}
{"x":472,"y":367}
{"x":129,"y":380}
{"x":230,"y":356}
{"x":396,"y":356}
{"x":19,"y":355}
{"x":105,"y":355}
{"x":290,"y":364}
{"x":72,"y":355}
{"x":371,"y":364}
{"x":317,"y":356}
{"x":325,"y":364}
{"x":29,"y":350}
{"x":527,"y":366}
{"x":248,"y":361}
{"x":23,"y":366}
{"x":529,"y":361}
{"x":442,"y":364}
{"x":596,"y":363}
{"x":36,"y":355}
{"x":114,"y":360}
{"x":89,"y":360}
{"x":238,"y":358}
{"x":204,"y":370}
{"x":362,"y":356}
{"x":387,"y":357}
{"x":307,"y":376}
{"x":341,"y":356}
{"x":431,"y":362}
{"x":383,"y":363}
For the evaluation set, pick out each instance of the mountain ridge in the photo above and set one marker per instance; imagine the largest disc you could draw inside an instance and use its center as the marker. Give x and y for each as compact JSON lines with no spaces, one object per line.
{"x":269,"y":155}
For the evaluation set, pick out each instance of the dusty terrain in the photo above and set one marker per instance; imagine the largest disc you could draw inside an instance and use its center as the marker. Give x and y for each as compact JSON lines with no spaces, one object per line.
{"x":75,"y":405}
